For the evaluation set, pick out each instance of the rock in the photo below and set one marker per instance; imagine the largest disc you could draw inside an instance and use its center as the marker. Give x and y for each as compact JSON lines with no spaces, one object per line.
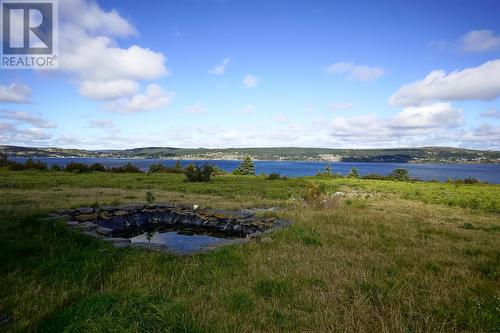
{"x":121,"y":213}
{"x":72,"y":223}
{"x":85,"y":210}
{"x":116,"y":240}
{"x":86,"y":217}
{"x":86,"y":226}
{"x":104,"y":231}
{"x":195,"y":207}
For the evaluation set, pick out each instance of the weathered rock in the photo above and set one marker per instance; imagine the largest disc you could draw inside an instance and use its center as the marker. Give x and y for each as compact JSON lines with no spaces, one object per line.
{"x":85,"y":226}
{"x":104,"y":231}
{"x":86,"y":210}
{"x":116,"y":240}
{"x":72,"y":223}
{"x":86,"y":217}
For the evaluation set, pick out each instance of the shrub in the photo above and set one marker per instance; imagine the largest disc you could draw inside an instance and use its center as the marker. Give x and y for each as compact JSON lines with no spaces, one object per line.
{"x":353,"y":173}
{"x":150,"y":197}
{"x":195,"y":173}
{"x":3,"y":160}
{"x":76,"y":167}
{"x":128,"y":168}
{"x":275,"y":176}
{"x":246,"y":167}
{"x":55,"y":167}
{"x":471,"y":180}
{"x":97,"y":167}
{"x":30,"y":164}
{"x":158,"y":167}
{"x":313,"y":191}
{"x":399,"y":174}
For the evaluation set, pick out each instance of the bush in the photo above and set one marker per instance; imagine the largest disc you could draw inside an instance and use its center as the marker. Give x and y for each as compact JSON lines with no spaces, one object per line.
{"x":399,"y":174}
{"x":128,"y":168}
{"x":275,"y":176}
{"x":3,"y":160}
{"x":194,"y":173}
{"x":158,"y":167}
{"x":30,"y":164}
{"x":150,"y":197}
{"x":353,"y":173}
{"x":98,"y":167}
{"x":246,"y":167}
{"x":55,"y":167}
{"x":313,"y":191}
{"x":75,"y":167}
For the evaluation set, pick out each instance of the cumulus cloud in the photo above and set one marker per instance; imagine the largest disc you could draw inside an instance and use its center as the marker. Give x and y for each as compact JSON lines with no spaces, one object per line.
{"x":491,"y":113}
{"x":26,"y":118}
{"x":196,"y":108}
{"x":104,"y":90}
{"x":476,"y":41}
{"x":475,"y":83}
{"x":15,"y":93}
{"x":250,"y":81}
{"x":356,"y":72}
{"x":153,"y":98}
{"x":410,"y":122}
{"x":335,"y":106}
{"x":13,"y":135}
{"x":430,"y":116}
{"x":90,"y":54}
{"x":219,"y":69}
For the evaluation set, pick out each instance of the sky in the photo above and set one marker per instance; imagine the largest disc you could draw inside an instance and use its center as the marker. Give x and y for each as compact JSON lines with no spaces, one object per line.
{"x":263,"y":73}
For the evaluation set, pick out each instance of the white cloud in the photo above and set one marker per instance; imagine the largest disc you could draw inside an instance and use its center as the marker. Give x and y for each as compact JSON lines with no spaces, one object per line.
{"x":491,"y":113}
{"x":335,"y":106}
{"x":102,"y":123}
{"x":438,"y":115}
{"x":100,"y":59}
{"x":476,"y":41}
{"x":12,"y":135}
{"x":26,"y":118}
{"x":153,"y":98}
{"x":15,"y":93}
{"x":219,"y":69}
{"x":248,"y":109}
{"x":476,"y":83}
{"x":105,"y":90}
{"x":91,"y":56}
{"x":196,"y":108}
{"x":250,"y":81}
{"x":356,"y":72}
{"x":281,"y":118}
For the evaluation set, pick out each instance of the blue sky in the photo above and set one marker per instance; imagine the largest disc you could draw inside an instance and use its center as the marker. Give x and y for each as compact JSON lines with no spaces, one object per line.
{"x":197,"y":73}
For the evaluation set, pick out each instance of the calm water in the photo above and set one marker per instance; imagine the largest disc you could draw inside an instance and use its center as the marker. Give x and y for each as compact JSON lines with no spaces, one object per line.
{"x":484,"y":172}
{"x":181,"y":243}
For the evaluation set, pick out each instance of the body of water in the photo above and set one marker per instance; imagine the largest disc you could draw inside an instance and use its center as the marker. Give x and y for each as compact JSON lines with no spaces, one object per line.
{"x":485,"y":172}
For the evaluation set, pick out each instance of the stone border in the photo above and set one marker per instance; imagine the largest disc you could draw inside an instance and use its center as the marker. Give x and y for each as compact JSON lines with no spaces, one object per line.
{"x":110,"y":223}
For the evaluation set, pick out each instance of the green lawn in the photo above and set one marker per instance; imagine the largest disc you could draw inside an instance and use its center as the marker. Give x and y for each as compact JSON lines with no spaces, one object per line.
{"x":389,"y":256}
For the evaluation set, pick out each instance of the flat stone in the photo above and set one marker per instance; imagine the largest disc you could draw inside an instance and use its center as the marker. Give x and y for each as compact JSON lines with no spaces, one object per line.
{"x":104,"y":231}
{"x":86,"y":217}
{"x":86,"y":226}
{"x":116,"y":240}
{"x":121,"y":213}
{"x":72,"y":223}
{"x":86,"y":210}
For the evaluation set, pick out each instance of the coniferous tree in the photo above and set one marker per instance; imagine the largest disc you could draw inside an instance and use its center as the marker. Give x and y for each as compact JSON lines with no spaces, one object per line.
{"x":246,"y":167}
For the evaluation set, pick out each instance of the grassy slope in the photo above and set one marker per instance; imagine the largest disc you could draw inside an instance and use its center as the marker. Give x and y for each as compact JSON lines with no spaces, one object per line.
{"x":399,"y":260}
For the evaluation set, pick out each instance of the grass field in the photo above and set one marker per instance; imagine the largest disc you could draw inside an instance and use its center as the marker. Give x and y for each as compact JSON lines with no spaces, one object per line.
{"x":388,"y":257}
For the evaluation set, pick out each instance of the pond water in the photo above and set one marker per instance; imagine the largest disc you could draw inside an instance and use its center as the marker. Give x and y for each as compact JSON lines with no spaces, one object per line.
{"x":181,"y":243}
{"x":429,"y":171}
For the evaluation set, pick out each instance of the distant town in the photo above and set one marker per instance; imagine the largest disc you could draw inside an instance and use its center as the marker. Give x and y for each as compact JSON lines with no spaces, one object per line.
{"x":393,"y":155}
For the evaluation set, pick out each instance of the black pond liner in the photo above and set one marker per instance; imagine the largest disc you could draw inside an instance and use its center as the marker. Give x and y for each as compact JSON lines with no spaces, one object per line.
{"x":178,"y":228}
